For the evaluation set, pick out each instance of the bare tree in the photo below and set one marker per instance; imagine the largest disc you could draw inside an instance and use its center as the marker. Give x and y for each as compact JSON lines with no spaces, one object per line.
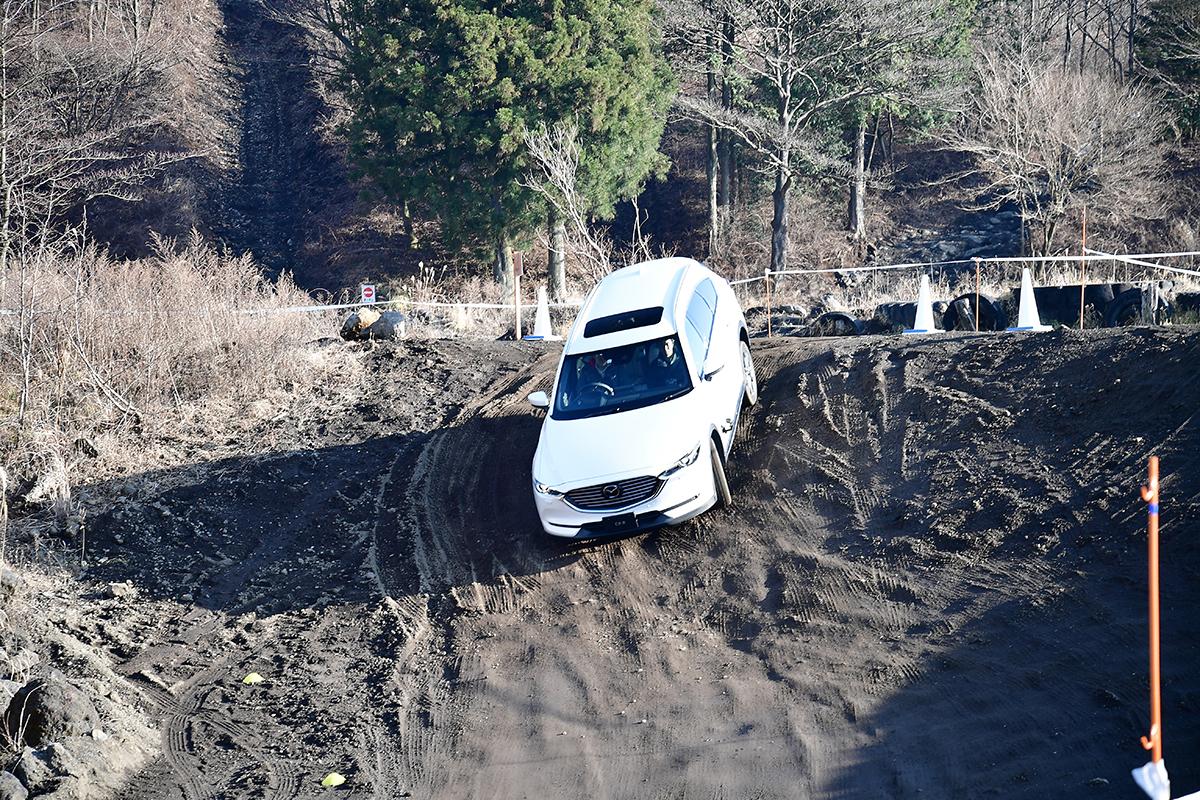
{"x":1048,"y":138}
{"x":83,"y":104}
{"x":804,"y":61}
{"x":555,"y":153}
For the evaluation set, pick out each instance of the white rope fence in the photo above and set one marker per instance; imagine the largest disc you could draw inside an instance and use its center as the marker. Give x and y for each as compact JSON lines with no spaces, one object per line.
{"x":1089,"y":256}
{"x":1136,"y":259}
{"x":402,"y":302}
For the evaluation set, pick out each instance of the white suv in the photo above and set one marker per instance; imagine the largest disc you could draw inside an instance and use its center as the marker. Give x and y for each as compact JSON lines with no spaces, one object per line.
{"x":646,"y":402}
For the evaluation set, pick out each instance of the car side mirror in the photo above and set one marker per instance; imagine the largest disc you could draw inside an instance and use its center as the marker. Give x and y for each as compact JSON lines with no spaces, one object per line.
{"x":539,"y":400}
{"x":711,"y":370}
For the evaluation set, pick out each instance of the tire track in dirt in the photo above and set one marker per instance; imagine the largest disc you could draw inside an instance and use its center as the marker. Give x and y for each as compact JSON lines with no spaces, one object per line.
{"x":922,"y":545}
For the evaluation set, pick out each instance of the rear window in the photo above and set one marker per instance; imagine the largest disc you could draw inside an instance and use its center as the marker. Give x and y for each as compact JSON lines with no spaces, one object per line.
{"x":624,"y":321}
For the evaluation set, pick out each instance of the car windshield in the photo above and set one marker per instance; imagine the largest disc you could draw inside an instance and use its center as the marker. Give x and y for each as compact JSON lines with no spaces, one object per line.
{"x":621,"y":378}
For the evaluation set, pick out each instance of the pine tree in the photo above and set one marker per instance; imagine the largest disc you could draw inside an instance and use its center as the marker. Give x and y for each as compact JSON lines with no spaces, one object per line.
{"x":443,"y":93}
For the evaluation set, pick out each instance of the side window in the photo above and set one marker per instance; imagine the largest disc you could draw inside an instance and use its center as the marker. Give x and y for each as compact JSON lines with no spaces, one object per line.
{"x":700,"y":314}
{"x":709,"y":293}
{"x":699,"y":345}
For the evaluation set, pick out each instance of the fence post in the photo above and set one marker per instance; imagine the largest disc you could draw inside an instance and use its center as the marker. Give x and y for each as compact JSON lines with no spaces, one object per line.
{"x":1082,"y":262}
{"x":518,"y":267}
{"x":767,"y":282}
{"x":977,"y":294}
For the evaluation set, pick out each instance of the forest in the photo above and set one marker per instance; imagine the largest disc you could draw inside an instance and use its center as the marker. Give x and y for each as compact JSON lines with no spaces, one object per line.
{"x":449,"y":133}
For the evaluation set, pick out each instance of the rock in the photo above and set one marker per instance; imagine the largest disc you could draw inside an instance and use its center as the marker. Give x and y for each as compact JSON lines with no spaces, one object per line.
{"x":390,"y":326}
{"x":10,"y":583}
{"x":123,"y":589}
{"x":62,"y":761}
{"x":65,"y":789}
{"x":355,"y":326}
{"x":8,"y":690}
{"x":11,"y":787}
{"x":49,"y":709}
{"x":33,"y":770}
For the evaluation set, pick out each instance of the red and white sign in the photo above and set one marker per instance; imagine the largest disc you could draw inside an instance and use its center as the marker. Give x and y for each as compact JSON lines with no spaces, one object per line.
{"x":368,"y":293}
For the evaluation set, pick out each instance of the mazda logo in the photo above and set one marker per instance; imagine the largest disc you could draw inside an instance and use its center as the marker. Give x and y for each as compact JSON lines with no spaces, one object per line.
{"x":611,"y":491}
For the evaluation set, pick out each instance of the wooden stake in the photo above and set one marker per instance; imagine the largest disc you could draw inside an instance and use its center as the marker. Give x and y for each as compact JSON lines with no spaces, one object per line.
{"x":1082,"y":262}
{"x":977,"y":294}
{"x":1150,"y":495}
{"x":767,"y":281}
{"x":517,"y":268}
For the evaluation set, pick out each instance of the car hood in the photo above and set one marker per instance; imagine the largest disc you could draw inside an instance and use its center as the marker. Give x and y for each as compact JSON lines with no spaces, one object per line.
{"x":642,"y":441}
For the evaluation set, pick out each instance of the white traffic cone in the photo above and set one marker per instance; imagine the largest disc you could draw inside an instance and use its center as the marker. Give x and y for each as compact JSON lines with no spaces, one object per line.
{"x":1027,"y":313}
{"x":924,"y":323}
{"x":541,"y":320}
{"x":1153,"y":780}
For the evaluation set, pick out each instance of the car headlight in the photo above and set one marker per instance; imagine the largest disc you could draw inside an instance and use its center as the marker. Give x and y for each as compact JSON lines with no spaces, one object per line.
{"x":542,"y":488}
{"x":687,"y":460}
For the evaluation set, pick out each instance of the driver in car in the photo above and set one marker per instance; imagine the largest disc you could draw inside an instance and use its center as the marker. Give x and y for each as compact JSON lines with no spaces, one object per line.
{"x":664,"y":363}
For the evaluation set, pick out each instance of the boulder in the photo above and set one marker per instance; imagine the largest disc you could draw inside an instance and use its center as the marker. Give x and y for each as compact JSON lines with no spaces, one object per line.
{"x":11,"y":787}
{"x":391,"y":325}
{"x":355,"y":326}
{"x":49,"y":709}
{"x":33,"y":770}
{"x":367,"y":323}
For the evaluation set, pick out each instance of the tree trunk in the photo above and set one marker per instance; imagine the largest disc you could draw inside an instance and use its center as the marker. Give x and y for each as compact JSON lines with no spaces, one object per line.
{"x":712,"y":165}
{"x":725,"y":144}
{"x":408,"y":227}
{"x":558,"y":259}
{"x":858,"y":187}
{"x":713,"y":222}
{"x":502,"y":269}
{"x":779,"y":222}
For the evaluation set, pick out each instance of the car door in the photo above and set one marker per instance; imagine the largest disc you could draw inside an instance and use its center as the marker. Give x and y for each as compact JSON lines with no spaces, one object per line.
{"x":707,"y":338}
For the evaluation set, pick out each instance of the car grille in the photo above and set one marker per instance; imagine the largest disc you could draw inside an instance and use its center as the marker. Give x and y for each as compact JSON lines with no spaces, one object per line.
{"x":618,"y":494}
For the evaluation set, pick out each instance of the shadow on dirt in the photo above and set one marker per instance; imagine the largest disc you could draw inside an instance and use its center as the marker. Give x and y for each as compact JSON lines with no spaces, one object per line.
{"x":1044,"y":695}
{"x":297,"y":529}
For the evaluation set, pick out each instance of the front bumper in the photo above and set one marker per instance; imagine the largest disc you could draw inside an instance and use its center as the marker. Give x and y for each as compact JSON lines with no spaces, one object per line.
{"x":684,"y":495}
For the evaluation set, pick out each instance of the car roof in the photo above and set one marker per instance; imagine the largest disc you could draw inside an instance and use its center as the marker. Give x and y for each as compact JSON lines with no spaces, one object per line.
{"x":650,"y":284}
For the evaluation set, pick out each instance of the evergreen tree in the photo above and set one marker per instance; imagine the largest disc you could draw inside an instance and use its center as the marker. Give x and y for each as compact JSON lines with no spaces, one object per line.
{"x":443,"y":93}
{"x":1168,"y":51}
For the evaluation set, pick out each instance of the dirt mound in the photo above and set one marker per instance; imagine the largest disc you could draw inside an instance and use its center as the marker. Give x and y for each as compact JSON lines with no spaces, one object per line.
{"x":931,"y":583}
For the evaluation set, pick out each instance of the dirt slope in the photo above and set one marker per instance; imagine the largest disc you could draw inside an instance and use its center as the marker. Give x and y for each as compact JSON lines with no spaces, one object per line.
{"x":931,"y":584}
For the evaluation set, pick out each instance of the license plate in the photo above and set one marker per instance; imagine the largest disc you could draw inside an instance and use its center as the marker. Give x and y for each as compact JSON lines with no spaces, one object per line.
{"x":623,"y":522}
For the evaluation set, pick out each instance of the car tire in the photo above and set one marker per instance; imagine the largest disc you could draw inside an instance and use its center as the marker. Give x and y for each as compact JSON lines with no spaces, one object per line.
{"x":749,"y":375}
{"x":720,"y":484}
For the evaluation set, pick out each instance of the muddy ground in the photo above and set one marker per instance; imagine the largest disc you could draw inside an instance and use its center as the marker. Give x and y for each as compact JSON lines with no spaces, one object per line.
{"x":931,"y":584}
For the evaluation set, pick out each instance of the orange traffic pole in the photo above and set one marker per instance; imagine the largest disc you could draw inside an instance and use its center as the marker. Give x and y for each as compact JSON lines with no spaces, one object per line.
{"x":1150,"y":495}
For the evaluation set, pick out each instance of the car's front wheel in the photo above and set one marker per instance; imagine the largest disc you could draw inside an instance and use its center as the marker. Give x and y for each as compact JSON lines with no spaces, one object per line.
{"x":720,"y":483}
{"x":749,"y":377}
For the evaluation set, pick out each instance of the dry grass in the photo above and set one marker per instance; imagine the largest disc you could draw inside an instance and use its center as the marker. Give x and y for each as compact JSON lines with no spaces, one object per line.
{"x":99,"y":356}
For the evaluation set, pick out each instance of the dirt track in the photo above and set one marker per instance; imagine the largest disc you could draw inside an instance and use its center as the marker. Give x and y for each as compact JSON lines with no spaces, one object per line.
{"x":931,"y":583}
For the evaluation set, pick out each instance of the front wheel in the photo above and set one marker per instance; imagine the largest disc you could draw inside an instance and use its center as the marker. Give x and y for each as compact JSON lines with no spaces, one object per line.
{"x":724,"y":498}
{"x":749,"y":377}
